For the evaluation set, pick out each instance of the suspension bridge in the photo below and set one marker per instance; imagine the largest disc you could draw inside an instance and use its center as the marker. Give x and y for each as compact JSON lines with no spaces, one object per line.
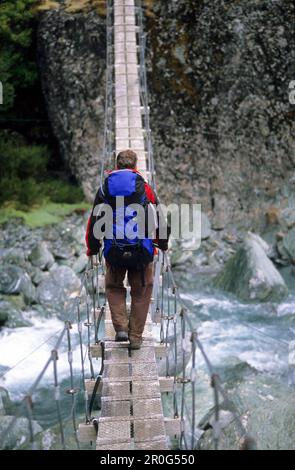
{"x":124,"y":401}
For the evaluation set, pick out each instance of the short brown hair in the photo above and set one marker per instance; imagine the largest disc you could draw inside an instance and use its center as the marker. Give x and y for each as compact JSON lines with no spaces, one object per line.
{"x":126,"y":159}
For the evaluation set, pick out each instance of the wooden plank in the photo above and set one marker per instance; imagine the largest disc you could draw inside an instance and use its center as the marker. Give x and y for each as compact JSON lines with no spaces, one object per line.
{"x":130,"y":388}
{"x":129,"y":20}
{"x":147,"y":408}
{"x":124,"y":445}
{"x":161,"y":350}
{"x":109,"y":330}
{"x":122,"y":134}
{"x":133,"y":100}
{"x":122,"y":144}
{"x":127,"y":28}
{"x":122,"y":46}
{"x":115,"y":408}
{"x":113,"y":431}
{"x":89,"y":386}
{"x":86,"y":433}
{"x":173,"y":426}
{"x":142,"y":408}
{"x":151,"y":445}
{"x":166,"y":384}
{"x":121,"y":122}
{"x":136,"y":133}
{"x":138,"y":144}
{"x":118,"y":3}
{"x":149,"y":429}
{"x":129,"y":10}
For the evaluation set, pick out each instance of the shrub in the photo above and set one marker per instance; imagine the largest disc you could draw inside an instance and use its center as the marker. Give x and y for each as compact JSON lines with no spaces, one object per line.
{"x":24,"y":176}
{"x":17,"y":69}
{"x":62,"y":191}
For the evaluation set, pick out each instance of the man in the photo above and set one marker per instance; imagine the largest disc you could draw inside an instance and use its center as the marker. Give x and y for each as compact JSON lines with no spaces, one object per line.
{"x":123,"y":251}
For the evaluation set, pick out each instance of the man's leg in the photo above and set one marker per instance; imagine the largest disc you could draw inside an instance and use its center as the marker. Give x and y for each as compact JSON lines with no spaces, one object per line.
{"x":116,"y":296}
{"x":140,"y":300}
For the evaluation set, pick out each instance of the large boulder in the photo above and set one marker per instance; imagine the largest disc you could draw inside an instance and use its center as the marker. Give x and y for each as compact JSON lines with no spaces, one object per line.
{"x":288,"y":245}
{"x":14,"y":280}
{"x":13,"y":256}
{"x":6,"y":405}
{"x":50,"y":438}
{"x":57,"y":286}
{"x":80,"y":263}
{"x":221,"y":139}
{"x":71,"y":51}
{"x":19,"y":432}
{"x":251,"y":275}
{"x":267,"y":410}
{"x":41,"y":257}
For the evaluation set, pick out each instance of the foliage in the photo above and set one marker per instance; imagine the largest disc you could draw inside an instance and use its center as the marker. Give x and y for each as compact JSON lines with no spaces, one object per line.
{"x":18,"y":70}
{"x":24,"y":176}
{"x":46,"y":214}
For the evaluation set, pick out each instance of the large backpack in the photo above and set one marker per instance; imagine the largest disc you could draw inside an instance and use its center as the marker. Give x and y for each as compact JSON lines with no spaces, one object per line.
{"x":121,"y":250}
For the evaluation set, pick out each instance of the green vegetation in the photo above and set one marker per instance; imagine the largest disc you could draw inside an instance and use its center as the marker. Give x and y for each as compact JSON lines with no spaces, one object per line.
{"x":46,"y":214}
{"x":18,"y":71}
{"x":24,"y":176}
{"x":27,"y":151}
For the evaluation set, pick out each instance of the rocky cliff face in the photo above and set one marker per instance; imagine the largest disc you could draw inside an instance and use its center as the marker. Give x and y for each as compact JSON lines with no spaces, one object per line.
{"x":218,"y":76}
{"x":72,"y":64}
{"x":225,"y":66}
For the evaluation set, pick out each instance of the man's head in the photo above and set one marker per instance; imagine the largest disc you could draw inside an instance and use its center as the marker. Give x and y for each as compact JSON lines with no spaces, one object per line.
{"x":126,"y":159}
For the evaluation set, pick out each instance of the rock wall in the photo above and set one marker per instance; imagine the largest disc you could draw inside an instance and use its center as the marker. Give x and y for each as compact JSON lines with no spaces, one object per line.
{"x":71,"y":54}
{"x":218,"y":74}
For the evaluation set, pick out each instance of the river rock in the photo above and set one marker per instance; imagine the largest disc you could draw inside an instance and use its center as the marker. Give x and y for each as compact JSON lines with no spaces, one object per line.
{"x":49,"y":439}
{"x":11,"y":316}
{"x":288,"y":244}
{"x":267,"y":410}
{"x":175,"y":367}
{"x":57,"y":286}
{"x":80,"y":264}
{"x":288,"y":217}
{"x":13,"y":256}
{"x":19,"y":433}
{"x":205,"y":226}
{"x":36,"y":275}
{"x":3,"y":315}
{"x":14,"y":280}
{"x":251,"y":275}
{"x":41,"y":257}
{"x":63,"y":252}
{"x":5,"y":402}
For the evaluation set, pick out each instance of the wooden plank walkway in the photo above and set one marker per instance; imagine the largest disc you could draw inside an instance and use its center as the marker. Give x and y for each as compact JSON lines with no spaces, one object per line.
{"x":128,"y":110}
{"x":131,"y":407}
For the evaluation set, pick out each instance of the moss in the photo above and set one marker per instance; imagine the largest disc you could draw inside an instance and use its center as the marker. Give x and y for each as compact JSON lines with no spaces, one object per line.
{"x":177,"y":78}
{"x":16,"y":300}
{"x":46,"y":214}
{"x":74,"y":6}
{"x":149,"y":4}
{"x":44,"y":5}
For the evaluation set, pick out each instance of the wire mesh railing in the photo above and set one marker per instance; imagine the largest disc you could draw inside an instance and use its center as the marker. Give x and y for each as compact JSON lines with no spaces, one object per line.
{"x":79,"y":332}
{"x":179,"y":334}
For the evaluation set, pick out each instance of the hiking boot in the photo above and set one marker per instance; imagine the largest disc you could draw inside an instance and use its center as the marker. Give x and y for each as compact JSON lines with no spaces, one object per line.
{"x":135,"y":344}
{"x":121,"y":336}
